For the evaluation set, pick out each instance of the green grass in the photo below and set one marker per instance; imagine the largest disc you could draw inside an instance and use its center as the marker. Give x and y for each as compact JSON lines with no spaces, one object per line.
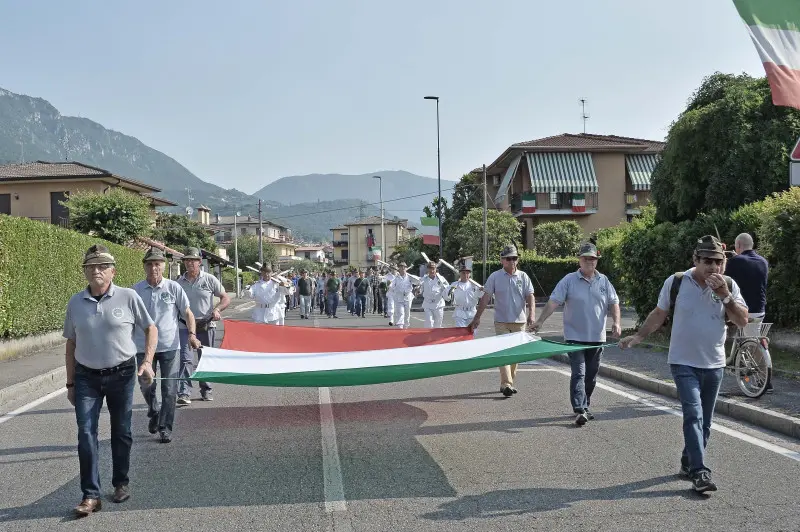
{"x":785,"y":360}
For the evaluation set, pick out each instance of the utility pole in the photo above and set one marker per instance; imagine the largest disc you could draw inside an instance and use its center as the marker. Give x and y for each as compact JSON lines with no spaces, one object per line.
{"x":485,"y":225}
{"x":236,"y":252}
{"x":260,"y":235}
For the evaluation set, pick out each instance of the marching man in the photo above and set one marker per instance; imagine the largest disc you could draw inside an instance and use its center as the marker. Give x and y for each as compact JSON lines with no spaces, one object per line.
{"x":401,"y":291}
{"x":388,"y":309}
{"x":465,"y":295}
{"x":434,"y":291}
{"x":268,"y":295}
{"x":286,"y":290}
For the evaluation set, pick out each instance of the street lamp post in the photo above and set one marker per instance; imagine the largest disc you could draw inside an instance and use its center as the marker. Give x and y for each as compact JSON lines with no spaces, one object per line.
{"x":236,"y":252}
{"x":438,"y":173}
{"x":384,"y":252}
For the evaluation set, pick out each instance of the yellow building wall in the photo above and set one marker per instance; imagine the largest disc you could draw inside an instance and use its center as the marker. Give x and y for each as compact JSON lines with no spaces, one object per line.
{"x":34,"y":198}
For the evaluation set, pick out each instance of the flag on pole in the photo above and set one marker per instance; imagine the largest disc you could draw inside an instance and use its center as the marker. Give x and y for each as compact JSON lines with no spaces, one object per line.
{"x":774,"y":26}
{"x":355,"y":368}
{"x":528,"y":203}
{"x":430,"y":230}
{"x":579,"y":203}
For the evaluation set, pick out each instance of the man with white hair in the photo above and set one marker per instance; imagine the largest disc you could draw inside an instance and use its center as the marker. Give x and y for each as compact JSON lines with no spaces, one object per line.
{"x":750,"y":271}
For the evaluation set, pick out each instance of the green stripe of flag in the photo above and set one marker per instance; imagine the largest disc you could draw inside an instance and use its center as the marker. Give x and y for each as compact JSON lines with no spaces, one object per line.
{"x":777,"y":14}
{"x":429,"y":220}
{"x":395,"y":373}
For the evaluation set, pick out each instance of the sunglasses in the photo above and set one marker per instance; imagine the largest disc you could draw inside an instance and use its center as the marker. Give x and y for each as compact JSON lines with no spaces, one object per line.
{"x":511,"y":259}
{"x":98,"y":267}
{"x":709,"y":262}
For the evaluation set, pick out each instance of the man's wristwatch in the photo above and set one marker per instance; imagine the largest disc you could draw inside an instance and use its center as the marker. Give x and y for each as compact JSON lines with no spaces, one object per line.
{"x":70,"y":385}
{"x":192,"y":334}
{"x":727,"y":300}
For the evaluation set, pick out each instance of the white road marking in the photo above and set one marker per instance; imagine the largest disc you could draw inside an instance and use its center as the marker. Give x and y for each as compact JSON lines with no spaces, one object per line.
{"x":32,"y":404}
{"x":415,"y":318}
{"x":777,"y":449}
{"x":333,"y":487}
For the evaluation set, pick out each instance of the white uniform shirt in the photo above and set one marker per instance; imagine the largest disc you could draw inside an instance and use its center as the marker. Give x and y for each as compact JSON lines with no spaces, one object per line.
{"x":434,"y":292}
{"x":268,"y":296}
{"x":465,"y":299}
{"x":402,"y":288}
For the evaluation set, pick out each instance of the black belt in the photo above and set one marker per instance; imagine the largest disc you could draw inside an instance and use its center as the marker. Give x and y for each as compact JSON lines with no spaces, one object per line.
{"x":131,"y":362}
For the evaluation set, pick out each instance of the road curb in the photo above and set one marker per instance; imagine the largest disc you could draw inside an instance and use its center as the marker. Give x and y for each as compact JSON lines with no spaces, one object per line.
{"x":34,"y":387}
{"x":761,"y":417}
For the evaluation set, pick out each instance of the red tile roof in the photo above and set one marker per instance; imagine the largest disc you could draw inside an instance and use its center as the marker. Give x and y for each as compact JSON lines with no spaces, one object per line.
{"x":591,"y":141}
{"x":62,"y":170}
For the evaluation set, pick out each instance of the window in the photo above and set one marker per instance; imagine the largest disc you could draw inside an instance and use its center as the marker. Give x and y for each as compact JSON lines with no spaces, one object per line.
{"x":554,"y":198}
{"x":345,"y":255}
{"x":243,"y":231}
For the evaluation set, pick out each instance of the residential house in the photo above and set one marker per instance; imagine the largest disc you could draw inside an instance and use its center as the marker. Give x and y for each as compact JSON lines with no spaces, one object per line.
{"x":245,"y":225}
{"x":354,"y":243}
{"x":596,"y":180}
{"x":314,"y":253}
{"x":35,"y":190}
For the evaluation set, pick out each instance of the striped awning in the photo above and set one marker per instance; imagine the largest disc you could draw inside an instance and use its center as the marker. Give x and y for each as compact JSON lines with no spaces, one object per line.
{"x":562,"y":172}
{"x":640,"y":169}
{"x":507,"y":177}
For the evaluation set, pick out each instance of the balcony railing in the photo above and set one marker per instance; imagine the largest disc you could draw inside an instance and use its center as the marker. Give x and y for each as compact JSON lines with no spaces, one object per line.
{"x":61,"y":222}
{"x":339,"y":260}
{"x":634,"y":201}
{"x":559,"y":203}
{"x":340,"y":243}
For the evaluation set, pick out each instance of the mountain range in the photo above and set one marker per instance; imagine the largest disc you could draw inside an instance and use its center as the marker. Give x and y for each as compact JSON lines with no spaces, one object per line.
{"x":32,"y":129}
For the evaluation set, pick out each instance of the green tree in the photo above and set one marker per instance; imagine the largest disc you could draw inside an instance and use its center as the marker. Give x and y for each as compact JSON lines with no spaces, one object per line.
{"x":248,"y":252}
{"x":502,"y":229}
{"x":557,"y":239}
{"x":410,"y":252}
{"x":466,"y":195}
{"x":729,"y":147}
{"x":117,"y":216}
{"x":178,"y":231}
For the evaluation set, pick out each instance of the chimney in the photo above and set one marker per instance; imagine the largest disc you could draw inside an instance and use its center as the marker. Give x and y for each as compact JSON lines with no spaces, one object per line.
{"x":217,"y":217}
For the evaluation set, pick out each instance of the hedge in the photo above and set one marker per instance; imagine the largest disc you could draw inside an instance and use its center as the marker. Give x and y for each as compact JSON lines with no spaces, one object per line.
{"x":640,"y":255}
{"x":545,"y":273}
{"x":40,"y":269}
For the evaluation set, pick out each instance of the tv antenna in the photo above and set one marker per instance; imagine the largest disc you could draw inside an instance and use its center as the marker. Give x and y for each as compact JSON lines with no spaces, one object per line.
{"x":584,"y":116}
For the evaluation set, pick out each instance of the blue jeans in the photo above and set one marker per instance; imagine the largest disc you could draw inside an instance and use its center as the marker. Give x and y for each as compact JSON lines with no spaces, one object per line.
{"x":333,"y":303}
{"x":361,"y":304}
{"x":117,"y":389}
{"x":169,"y":361}
{"x":585,"y":365}
{"x":697,"y":392}
{"x":187,"y":359}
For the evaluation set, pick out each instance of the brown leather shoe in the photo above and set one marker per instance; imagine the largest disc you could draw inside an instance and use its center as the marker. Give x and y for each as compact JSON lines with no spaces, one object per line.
{"x":121,"y":494}
{"x":87,"y":506}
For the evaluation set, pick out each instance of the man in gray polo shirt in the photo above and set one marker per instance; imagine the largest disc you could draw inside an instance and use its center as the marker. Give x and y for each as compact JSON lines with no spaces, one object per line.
{"x":513,"y":293}
{"x":101,"y":363}
{"x":201,"y":288}
{"x":165,"y":301}
{"x":587,"y":296}
{"x":697,"y":347}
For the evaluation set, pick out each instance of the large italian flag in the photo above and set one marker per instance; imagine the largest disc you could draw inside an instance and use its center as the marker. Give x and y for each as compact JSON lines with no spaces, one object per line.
{"x":579,"y":203}
{"x":430,"y":230}
{"x":373,"y":356}
{"x":774,"y":26}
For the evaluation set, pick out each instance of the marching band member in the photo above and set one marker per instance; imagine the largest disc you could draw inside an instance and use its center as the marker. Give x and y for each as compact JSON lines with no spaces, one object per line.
{"x":402,"y":294}
{"x":465,"y":295}
{"x":388,"y":310}
{"x":268,"y":296}
{"x":286,"y":289}
{"x":435,"y":291}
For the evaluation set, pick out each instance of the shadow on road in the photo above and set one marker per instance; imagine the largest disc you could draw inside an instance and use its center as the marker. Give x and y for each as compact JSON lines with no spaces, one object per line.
{"x":240,"y":456}
{"x":535,"y":500}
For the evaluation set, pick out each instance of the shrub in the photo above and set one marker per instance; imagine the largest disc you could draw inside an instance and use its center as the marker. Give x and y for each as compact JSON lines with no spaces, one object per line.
{"x":545,"y":273}
{"x":117,"y":216}
{"x":557,"y":239}
{"x":40,"y":269}
{"x":229,"y":279}
{"x":780,"y":244}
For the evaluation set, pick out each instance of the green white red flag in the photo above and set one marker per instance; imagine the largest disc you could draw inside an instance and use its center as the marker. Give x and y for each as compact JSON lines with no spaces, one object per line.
{"x":430,"y":230}
{"x":528,"y":203}
{"x":774,"y":26}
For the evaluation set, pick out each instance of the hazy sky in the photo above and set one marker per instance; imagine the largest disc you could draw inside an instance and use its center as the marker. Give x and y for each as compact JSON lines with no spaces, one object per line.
{"x":243,"y":93}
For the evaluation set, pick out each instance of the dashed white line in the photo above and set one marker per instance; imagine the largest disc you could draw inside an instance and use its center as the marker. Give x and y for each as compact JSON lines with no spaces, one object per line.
{"x":333,"y":487}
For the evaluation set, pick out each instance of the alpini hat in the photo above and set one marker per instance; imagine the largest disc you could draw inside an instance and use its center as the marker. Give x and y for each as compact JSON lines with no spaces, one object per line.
{"x":192,"y":253}
{"x":509,"y":251}
{"x":154,"y":254}
{"x":709,"y":246}
{"x":98,"y":254}
{"x":588,"y":250}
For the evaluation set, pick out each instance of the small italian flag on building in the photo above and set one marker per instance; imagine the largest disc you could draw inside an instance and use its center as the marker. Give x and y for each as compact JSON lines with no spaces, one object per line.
{"x":430,"y":230}
{"x":528,"y":203}
{"x":774,"y":26}
{"x":579,"y":203}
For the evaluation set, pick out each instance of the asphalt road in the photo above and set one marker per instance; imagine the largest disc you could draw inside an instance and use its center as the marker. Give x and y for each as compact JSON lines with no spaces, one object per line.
{"x":438,"y":454}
